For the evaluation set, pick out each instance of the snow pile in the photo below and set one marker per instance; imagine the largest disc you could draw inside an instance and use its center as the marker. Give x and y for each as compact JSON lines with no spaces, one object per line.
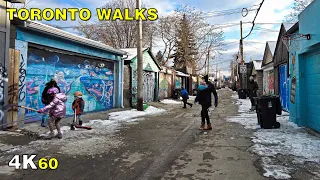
{"x":170,"y":101}
{"x":130,"y":114}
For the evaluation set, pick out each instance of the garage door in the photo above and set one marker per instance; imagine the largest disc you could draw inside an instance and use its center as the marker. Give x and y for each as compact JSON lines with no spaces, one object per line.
{"x":148,"y":86}
{"x":313,"y":90}
{"x":284,"y":88}
{"x":94,"y":78}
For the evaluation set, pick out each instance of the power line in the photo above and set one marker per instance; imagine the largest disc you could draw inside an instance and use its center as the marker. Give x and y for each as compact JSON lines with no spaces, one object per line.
{"x":254,"y":20}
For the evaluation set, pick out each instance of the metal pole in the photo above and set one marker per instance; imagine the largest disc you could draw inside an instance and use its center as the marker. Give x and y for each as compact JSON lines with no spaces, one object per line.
{"x":242,"y":55}
{"x":140,"y":62}
{"x":208,"y":65}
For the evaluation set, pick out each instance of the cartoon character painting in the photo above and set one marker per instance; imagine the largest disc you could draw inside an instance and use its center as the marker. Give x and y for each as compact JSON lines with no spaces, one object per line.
{"x":94,"y":78}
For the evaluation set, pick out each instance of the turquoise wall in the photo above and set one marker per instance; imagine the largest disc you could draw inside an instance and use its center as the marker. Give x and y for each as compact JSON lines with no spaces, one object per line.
{"x":300,"y":66}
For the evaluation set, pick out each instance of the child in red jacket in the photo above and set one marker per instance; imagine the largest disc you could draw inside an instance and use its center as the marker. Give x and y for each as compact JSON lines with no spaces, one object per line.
{"x":78,"y":106}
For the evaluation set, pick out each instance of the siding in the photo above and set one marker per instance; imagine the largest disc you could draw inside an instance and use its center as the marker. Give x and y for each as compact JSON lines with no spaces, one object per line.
{"x":259,"y":79}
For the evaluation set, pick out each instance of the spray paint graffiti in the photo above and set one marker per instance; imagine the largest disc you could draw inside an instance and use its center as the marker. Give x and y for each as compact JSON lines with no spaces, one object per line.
{"x":3,"y":79}
{"x":22,"y":78}
{"x":164,"y":86}
{"x":95,"y":79}
{"x":178,"y":82}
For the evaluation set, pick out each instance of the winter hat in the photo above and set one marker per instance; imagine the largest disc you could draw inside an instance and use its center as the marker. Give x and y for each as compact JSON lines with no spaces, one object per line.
{"x":206,"y":78}
{"x":77,"y":94}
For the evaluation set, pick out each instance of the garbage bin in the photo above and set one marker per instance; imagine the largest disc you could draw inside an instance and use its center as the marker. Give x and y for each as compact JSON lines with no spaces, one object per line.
{"x":242,"y":94}
{"x":177,"y":94}
{"x":267,"y":108}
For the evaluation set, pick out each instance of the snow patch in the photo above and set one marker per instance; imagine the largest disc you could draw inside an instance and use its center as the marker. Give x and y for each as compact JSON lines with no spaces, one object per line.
{"x":170,"y":101}
{"x":125,"y":115}
{"x":288,"y":141}
{"x":276,"y":171}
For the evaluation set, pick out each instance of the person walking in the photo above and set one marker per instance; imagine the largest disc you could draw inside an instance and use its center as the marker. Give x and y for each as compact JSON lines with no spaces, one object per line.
{"x":252,"y":88}
{"x":204,"y":98}
{"x":185,"y":97}
{"x":46,"y":98}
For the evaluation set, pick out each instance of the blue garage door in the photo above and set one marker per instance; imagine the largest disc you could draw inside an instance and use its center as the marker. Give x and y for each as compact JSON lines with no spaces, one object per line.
{"x":312,"y":95}
{"x":284,"y":88}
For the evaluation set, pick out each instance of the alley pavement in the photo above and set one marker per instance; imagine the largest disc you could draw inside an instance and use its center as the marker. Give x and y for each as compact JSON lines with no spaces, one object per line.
{"x":167,"y":145}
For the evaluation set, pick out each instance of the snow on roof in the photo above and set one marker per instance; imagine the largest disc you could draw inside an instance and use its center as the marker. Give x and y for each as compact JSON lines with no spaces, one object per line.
{"x":182,"y":74}
{"x":272,"y":46}
{"x":287,"y":26}
{"x":132,"y":52}
{"x":257,"y":64}
{"x":37,"y":26}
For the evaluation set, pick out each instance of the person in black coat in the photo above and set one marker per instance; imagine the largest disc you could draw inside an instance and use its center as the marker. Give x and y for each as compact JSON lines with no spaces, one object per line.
{"x":46,"y":99}
{"x":204,"y":99}
{"x":252,"y":88}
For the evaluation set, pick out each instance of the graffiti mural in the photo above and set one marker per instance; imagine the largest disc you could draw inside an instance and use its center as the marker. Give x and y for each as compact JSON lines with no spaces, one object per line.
{"x":164,"y":86}
{"x":178,"y":82}
{"x":3,"y":79}
{"x":95,"y":79}
{"x":148,"y":86}
{"x":271,"y":82}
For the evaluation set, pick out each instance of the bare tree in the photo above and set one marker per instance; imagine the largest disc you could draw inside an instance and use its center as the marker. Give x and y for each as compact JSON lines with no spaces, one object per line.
{"x":118,"y":34}
{"x":298,"y":7}
{"x":208,"y":37}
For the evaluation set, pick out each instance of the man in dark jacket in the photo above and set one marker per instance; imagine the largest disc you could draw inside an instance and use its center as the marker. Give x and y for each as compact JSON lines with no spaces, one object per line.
{"x":46,"y":99}
{"x":185,"y":97}
{"x":252,"y":88}
{"x":204,"y":99}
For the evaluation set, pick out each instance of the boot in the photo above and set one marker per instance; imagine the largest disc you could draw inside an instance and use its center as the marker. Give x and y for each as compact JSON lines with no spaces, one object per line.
{"x":209,"y":127}
{"x":190,"y":105}
{"x":50,"y":136}
{"x":80,"y":123}
{"x":202,"y":126}
{"x":59,"y":136}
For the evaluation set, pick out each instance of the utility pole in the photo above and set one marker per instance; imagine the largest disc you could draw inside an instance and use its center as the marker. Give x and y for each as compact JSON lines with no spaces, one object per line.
{"x":242,"y":55}
{"x":140,"y":61}
{"x":208,"y":61}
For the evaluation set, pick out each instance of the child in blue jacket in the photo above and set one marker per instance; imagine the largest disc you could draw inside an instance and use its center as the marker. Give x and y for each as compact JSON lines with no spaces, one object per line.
{"x":185,"y":97}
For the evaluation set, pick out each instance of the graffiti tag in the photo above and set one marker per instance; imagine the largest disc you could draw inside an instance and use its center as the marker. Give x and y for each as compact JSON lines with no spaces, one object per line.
{"x":22,"y":78}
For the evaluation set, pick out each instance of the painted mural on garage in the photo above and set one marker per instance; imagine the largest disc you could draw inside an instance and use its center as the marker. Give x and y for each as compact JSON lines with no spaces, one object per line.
{"x":95,"y":79}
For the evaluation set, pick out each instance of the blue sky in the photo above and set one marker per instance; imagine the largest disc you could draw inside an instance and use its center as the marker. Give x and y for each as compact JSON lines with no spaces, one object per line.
{"x":272,"y":11}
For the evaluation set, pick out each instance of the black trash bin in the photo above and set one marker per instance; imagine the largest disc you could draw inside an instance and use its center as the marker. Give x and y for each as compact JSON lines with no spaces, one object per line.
{"x":267,"y":108}
{"x":242,"y":94}
{"x":177,"y":94}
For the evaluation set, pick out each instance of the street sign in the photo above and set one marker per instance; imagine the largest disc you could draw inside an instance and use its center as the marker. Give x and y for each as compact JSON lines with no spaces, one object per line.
{"x":243,"y":69}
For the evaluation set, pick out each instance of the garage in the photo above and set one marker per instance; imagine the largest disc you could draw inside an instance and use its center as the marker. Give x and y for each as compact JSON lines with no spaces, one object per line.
{"x":312,"y":89}
{"x":92,"y":76}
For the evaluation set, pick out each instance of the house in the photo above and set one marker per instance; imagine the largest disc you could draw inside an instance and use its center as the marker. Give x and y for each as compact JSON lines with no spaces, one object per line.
{"x":77,"y":63}
{"x":257,"y":73}
{"x":268,"y":68}
{"x":304,"y":51}
{"x":281,"y":73}
{"x":151,"y":71}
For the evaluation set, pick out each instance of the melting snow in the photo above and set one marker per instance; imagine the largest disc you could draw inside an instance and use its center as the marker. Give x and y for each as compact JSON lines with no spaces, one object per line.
{"x":170,"y":101}
{"x":289,"y":140}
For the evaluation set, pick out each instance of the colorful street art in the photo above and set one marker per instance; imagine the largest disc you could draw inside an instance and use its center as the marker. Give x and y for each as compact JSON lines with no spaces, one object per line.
{"x":271,"y":82}
{"x":178,"y":82}
{"x":95,"y":79}
{"x":164,"y":86}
